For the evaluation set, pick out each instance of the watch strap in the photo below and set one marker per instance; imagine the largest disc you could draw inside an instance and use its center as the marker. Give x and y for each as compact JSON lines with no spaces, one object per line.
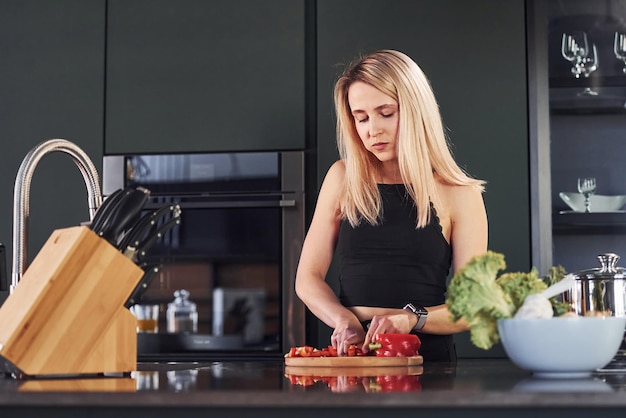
{"x":420,"y":312}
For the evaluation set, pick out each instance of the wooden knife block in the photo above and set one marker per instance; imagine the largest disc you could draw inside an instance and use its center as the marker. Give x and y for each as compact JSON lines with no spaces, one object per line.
{"x":66,"y":316}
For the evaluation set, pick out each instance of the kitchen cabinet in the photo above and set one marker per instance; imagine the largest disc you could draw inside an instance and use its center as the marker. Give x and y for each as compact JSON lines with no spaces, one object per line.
{"x":583,"y":121}
{"x":51,"y":80}
{"x":197,"y":76}
{"x":477,"y":67}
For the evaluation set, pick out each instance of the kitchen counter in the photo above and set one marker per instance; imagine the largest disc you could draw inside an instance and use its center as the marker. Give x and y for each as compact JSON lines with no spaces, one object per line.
{"x":476,"y":387}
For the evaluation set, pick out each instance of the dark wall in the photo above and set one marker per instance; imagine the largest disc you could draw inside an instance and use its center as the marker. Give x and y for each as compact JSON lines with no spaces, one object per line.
{"x":477,"y":67}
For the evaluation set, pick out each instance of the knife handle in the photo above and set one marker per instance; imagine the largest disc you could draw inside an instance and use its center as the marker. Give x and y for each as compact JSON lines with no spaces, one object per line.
{"x":135,"y":296}
{"x":4,"y":281}
{"x":140,"y":251}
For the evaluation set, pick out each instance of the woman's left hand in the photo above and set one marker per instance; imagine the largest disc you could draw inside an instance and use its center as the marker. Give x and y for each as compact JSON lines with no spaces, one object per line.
{"x":399,"y":323}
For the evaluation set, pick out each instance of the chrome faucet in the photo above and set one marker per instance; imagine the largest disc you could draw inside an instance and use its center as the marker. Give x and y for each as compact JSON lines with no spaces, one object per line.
{"x":21,"y":194}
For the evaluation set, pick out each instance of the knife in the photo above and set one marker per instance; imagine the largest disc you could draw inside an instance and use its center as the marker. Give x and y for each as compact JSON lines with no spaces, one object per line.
{"x":4,"y":281}
{"x":123,"y":214}
{"x":105,"y":207}
{"x":145,"y":224}
{"x":149,"y":272}
{"x":138,"y":252}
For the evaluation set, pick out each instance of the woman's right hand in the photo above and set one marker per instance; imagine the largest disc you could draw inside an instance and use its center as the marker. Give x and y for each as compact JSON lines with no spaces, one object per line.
{"x":345,"y":335}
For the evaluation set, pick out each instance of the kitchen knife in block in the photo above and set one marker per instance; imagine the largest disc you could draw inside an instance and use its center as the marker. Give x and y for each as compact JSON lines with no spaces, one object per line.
{"x":67,"y":316}
{"x":4,"y":281}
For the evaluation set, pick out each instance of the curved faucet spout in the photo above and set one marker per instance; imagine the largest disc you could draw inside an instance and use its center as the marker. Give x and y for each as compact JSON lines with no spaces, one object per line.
{"x":21,"y":194}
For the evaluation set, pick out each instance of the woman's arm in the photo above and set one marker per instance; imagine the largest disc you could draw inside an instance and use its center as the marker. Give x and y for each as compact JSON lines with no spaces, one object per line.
{"x":317,"y":253}
{"x":468,"y":238}
{"x":469,"y":227}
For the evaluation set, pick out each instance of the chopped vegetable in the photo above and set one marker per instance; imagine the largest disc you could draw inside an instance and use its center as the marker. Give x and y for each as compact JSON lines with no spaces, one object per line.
{"x":383,"y":345}
{"x":399,"y":383}
{"x":395,"y":345}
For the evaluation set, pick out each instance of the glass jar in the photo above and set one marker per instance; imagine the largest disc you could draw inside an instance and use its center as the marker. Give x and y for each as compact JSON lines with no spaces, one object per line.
{"x":182,"y":315}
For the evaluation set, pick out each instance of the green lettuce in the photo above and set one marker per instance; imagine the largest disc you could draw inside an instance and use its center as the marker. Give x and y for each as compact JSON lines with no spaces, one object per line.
{"x":519,"y":285}
{"x":477,"y":294}
{"x":474,"y":294}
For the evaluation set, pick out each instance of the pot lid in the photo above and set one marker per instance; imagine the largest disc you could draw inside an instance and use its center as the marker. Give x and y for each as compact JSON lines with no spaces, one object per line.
{"x":608,"y":269}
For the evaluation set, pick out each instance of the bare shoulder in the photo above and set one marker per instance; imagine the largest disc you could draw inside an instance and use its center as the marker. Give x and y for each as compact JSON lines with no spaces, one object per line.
{"x":332,"y":186}
{"x":460,"y":200}
{"x":335,"y":175}
{"x":337,"y":170}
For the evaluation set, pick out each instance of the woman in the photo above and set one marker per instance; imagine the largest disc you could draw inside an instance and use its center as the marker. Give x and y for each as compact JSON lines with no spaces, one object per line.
{"x":396,"y":207}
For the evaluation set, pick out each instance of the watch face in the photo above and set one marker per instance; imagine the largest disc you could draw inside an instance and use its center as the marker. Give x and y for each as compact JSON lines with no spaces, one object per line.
{"x":418,"y":310}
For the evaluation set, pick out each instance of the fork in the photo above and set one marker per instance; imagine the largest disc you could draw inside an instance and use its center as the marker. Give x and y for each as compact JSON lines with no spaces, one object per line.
{"x":587,"y":187}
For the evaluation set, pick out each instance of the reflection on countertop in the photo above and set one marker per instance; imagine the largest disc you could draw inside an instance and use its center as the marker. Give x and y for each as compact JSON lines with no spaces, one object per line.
{"x":471,"y":383}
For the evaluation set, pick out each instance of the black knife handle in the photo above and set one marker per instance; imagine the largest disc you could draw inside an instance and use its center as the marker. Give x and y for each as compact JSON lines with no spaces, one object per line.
{"x":144,"y":246}
{"x":146,"y":279}
{"x":104,"y":208}
{"x":4,"y":281}
{"x":146,"y":224}
{"x":125,"y":212}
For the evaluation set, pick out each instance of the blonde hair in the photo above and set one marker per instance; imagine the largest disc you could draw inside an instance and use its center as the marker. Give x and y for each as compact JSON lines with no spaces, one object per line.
{"x":423,"y":148}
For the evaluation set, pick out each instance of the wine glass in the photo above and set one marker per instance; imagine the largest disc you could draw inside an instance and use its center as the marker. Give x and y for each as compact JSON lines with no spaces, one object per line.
{"x":574,"y":48}
{"x":619,"y":48}
{"x":570,"y":46}
{"x":587,"y":187}
{"x":588,"y":65}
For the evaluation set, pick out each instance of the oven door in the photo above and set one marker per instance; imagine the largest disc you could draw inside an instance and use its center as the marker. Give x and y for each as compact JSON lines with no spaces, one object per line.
{"x":235,"y":251}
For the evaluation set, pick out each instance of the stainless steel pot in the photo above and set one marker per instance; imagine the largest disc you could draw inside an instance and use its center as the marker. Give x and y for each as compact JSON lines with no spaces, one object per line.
{"x":600,"y":291}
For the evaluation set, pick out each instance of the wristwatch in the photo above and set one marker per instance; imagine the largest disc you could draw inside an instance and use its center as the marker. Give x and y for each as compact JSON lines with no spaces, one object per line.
{"x":422,"y":315}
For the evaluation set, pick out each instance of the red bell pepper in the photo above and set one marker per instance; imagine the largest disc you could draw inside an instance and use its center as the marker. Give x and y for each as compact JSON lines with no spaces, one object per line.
{"x":402,"y":383}
{"x":395,"y":345}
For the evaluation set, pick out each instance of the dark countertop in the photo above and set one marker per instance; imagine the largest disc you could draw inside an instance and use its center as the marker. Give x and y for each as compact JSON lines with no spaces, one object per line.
{"x":476,"y":387}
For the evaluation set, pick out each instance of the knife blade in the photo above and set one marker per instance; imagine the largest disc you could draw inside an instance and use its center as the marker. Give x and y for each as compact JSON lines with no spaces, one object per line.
{"x":149,"y":273}
{"x":105,"y":208}
{"x":123,"y":214}
{"x":145,"y":224}
{"x":137,"y":253}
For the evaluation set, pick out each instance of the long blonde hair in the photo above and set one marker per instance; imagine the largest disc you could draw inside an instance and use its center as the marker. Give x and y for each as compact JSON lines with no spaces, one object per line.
{"x":423,"y":148}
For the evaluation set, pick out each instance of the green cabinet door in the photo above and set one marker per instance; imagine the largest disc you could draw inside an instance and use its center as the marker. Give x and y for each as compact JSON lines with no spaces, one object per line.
{"x":51,"y":84}
{"x":197,"y":75}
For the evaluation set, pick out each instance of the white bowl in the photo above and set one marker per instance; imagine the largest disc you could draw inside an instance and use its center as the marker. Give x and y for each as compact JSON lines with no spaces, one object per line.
{"x":597,"y":202}
{"x":585,"y":384}
{"x":562,"y":347}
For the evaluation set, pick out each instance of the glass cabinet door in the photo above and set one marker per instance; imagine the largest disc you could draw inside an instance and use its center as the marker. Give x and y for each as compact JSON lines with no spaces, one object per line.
{"x":577,"y":68}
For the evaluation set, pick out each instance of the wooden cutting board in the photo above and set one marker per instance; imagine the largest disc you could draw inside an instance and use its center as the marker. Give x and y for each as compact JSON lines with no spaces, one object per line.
{"x":353,"y":371}
{"x":358,"y":361}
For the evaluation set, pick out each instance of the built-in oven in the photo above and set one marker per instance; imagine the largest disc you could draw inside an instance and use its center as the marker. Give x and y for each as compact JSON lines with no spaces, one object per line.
{"x":235,"y":251}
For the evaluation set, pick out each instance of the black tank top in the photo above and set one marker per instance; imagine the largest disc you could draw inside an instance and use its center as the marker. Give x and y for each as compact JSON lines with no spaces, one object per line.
{"x":393,"y":263}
